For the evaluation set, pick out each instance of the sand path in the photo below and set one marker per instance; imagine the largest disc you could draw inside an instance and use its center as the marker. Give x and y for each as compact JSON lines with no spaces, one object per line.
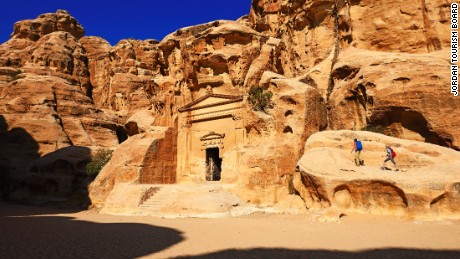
{"x":40,"y":232}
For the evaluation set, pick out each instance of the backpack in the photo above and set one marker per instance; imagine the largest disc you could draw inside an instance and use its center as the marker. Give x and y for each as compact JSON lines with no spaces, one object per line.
{"x":393,"y":153}
{"x":359,"y":146}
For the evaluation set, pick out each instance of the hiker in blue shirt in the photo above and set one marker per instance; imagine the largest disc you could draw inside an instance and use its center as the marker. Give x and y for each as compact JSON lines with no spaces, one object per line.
{"x":357,"y":147}
{"x":390,"y":157}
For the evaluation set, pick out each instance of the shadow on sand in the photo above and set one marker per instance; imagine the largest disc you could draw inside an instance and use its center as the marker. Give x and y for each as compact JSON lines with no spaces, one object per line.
{"x":34,"y":232}
{"x":37,"y":232}
{"x":280,"y":253}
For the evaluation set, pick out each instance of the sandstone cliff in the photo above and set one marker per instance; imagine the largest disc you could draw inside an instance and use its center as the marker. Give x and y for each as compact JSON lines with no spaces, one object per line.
{"x":45,"y":85}
{"x":45,"y":94}
{"x":330,"y":65}
{"x":326,"y":41}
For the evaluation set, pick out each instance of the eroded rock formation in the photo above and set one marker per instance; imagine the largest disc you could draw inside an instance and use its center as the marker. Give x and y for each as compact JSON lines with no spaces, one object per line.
{"x":325,"y":43}
{"x":143,"y":159}
{"x":426,"y":186}
{"x":44,"y":101}
{"x":46,"y":83}
{"x":405,"y":94}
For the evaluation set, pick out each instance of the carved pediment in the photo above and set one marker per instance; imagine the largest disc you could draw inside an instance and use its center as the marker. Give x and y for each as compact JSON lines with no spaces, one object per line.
{"x":211,"y":100}
{"x":212,"y":135}
{"x":212,"y":139}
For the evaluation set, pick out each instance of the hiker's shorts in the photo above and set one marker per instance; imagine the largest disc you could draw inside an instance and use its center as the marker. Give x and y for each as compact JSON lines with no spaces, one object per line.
{"x":357,"y":153}
{"x":390,"y":159}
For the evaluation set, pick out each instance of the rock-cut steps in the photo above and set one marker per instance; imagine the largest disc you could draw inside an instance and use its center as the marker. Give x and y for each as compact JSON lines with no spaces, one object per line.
{"x":160,"y":198}
{"x":182,"y":200}
{"x":171,"y":200}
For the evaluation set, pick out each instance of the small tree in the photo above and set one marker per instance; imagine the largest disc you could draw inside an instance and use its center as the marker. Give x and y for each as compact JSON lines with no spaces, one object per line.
{"x":98,"y":161}
{"x":260,"y":98}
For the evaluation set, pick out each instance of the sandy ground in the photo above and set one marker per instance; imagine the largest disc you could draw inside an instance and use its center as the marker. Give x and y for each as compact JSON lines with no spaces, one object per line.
{"x":41,"y":232}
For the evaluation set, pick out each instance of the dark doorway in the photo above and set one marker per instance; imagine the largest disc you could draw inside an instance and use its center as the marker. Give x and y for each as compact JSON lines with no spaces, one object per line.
{"x":213,"y":164}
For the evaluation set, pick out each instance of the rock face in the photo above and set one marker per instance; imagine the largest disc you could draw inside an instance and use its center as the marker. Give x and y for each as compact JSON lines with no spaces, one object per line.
{"x":46,"y":24}
{"x":325,"y":42}
{"x":427,"y":185}
{"x":273,"y":145}
{"x":306,"y":29}
{"x":121,"y":75}
{"x":143,"y":159}
{"x":47,"y":93}
{"x":163,"y":76}
{"x":403,"y":94}
{"x":45,"y":103}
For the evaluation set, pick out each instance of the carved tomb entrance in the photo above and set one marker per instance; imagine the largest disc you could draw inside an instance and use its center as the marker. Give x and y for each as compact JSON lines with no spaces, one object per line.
{"x":209,"y":129}
{"x":213,"y":164}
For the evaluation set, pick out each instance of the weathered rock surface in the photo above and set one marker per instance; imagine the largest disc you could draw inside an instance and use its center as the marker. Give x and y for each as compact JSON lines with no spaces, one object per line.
{"x":391,"y":26}
{"x":357,"y":54}
{"x":306,"y":29}
{"x":427,"y":185}
{"x":404,"y":94}
{"x":46,"y":24}
{"x":120,"y":75}
{"x":47,"y":95}
{"x":147,"y":158}
{"x":45,"y":103}
{"x":274,"y":139}
{"x":55,"y":113}
{"x":163,"y":76}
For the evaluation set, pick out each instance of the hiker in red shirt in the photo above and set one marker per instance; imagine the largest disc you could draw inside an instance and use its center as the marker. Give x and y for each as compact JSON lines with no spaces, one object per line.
{"x":390,"y":157}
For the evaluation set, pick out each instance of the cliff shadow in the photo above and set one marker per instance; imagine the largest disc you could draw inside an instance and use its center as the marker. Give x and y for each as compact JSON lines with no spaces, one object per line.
{"x":61,"y":177}
{"x":280,"y":253}
{"x":17,"y":149}
{"x":34,"y":232}
{"x":28,"y":177}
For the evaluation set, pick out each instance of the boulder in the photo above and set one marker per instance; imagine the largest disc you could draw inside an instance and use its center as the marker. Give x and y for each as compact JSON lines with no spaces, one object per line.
{"x":425,"y":186}
{"x":140,"y":122}
{"x":148,"y":158}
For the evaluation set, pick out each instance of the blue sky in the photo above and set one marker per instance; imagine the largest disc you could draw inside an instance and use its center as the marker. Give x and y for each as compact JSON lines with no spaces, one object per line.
{"x":114,"y":20}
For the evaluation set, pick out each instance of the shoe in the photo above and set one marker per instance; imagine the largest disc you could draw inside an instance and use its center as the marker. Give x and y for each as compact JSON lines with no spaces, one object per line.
{"x":397,"y":170}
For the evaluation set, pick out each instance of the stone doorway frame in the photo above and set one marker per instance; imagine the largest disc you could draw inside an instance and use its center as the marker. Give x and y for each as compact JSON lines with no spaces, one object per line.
{"x":195,"y":130}
{"x":213,"y":164}
{"x":210,"y":143}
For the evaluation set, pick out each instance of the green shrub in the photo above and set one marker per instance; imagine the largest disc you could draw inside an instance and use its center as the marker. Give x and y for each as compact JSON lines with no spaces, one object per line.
{"x":98,"y":161}
{"x":260,"y":98}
